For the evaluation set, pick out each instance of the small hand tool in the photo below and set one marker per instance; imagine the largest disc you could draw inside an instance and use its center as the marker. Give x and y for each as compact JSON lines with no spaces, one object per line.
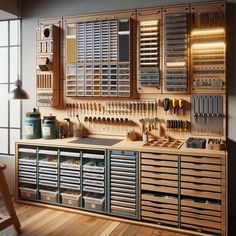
{"x":166,"y":104}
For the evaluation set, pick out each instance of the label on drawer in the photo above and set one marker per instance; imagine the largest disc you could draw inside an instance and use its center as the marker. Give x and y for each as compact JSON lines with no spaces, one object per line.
{"x":29,"y":130}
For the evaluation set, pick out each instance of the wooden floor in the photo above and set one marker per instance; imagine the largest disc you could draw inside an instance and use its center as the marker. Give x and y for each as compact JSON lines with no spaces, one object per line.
{"x":38,"y":221}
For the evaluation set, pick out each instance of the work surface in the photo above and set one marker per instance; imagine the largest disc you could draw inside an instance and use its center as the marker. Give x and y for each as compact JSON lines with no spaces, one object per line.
{"x":122,"y":145}
{"x":42,"y":221}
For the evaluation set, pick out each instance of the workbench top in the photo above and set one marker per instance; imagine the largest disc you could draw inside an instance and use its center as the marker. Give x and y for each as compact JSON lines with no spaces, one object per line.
{"x":123,"y":145}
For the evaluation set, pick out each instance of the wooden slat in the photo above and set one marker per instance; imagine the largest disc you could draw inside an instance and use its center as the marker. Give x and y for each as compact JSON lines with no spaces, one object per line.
{"x":200,"y":166}
{"x":159,"y":182}
{"x":197,"y":186}
{"x":162,"y":199}
{"x":159,"y":175}
{"x":160,"y":222}
{"x":159,"y":210}
{"x":157,"y":188}
{"x":200,"y":216}
{"x":202,"y":180}
{"x":203,"y":194}
{"x":159,"y":205}
{"x":157,"y":156}
{"x":159,"y":163}
{"x":201,"y":173}
{"x":159,"y":169}
{"x":190,"y":203}
{"x":201,"y":211}
{"x":209,"y":160}
{"x":160,"y":216}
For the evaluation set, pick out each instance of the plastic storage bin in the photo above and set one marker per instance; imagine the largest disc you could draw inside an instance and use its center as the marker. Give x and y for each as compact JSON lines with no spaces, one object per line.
{"x":28,"y":192}
{"x":71,"y":198}
{"x":49,"y":196}
{"x":94,"y":201}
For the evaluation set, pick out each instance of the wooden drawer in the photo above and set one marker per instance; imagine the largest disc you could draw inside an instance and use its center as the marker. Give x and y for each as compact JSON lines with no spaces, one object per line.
{"x":206,"y":160}
{"x":160,"y":222}
{"x":200,"y":205}
{"x":199,"y":222}
{"x":200,"y":212}
{"x":159,"y":163}
{"x":197,"y":186}
{"x":200,"y":228}
{"x":159,"y":169}
{"x":160,"y":182}
{"x":203,"y":194}
{"x":159,"y":210}
{"x":160,"y":205}
{"x":200,"y":166}
{"x":157,"y":156}
{"x":157,"y":198}
{"x":159,"y":175}
{"x":201,"y":173}
{"x":161,"y":216}
{"x":202,"y":180}
{"x":157,"y":188}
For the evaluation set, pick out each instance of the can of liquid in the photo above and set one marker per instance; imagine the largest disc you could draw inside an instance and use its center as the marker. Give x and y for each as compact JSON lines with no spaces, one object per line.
{"x":49,"y":127}
{"x":32,"y":128}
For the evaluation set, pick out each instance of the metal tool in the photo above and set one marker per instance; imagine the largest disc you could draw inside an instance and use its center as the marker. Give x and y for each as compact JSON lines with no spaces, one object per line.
{"x":166,"y":105}
{"x":174,"y":104}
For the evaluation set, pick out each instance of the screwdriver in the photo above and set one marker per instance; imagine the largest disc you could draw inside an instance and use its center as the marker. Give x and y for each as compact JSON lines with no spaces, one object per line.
{"x":166,"y":104}
{"x":181,"y":105}
{"x":174,"y":104}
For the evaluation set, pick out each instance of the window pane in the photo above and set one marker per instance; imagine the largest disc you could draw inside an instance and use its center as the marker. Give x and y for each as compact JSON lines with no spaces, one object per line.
{"x":4,"y":141}
{"x":4,"y":106}
{"x":13,"y":64}
{"x":14,"y":31}
{"x":15,"y":113}
{"x":4,"y":33}
{"x":14,"y":136}
{"x":3,"y":65}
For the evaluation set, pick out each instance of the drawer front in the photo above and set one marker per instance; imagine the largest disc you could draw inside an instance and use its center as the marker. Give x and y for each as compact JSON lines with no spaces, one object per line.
{"x":48,"y":170}
{"x":27,"y":168}
{"x":93,"y":176}
{"x":197,"y":186}
{"x":123,"y":199}
{"x":201,"y":180}
{"x":157,"y":188}
{"x":149,"y":174}
{"x":27,"y":174}
{"x":194,"y":212}
{"x":159,"y":169}
{"x":202,"y":194}
{"x":93,"y":189}
{"x":200,"y":223}
{"x":159,"y":221}
{"x":159,"y":210}
{"x":122,"y":210}
{"x":48,"y":177}
{"x":70,"y":186}
{"x":159,"y":182}
{"x":156,"y":156}
{"x":161,"y":216}
{"x":201,"y":173}
{"x":30,"y":162}
{"x":70,"y":173}
{"x":69,"y":179}
{"x":159,"y":163}
{"x":205,"y":160}
{"x":160,"y":198}
{"x":48,"y":183}
{"x":205,"y":205}
{"x":27,"y":180}
{"x":200,"y":166}
{"x":201,"y":228}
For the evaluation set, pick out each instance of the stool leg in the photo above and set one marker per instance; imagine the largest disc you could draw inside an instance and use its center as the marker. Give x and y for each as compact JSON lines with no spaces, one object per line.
{"x":8,"y":202}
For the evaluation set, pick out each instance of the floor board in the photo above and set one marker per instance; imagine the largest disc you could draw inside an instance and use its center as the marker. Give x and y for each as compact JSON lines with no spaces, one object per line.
{"x":39,"y":221}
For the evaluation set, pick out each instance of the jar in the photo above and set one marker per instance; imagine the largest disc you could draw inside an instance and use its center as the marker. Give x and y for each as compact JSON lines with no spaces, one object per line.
{"x":33,"y":125}
{"x":49,"y":127}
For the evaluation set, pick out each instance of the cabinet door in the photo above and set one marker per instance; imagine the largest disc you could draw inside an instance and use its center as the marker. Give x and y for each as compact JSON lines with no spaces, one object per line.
{"x":123,"y":184}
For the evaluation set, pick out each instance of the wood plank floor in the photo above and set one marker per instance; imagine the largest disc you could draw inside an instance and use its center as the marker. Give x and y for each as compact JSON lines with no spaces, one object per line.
{"x":38,"y":221}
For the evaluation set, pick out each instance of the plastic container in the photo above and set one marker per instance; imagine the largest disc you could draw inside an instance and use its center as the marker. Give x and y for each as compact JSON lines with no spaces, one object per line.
{"x":94,"y":201}
{"x":72,"y":199}
{"x":49,"y":196}
{"x":33,"y":125}
{"x":28,"y":192}
{"x":49,"y":127}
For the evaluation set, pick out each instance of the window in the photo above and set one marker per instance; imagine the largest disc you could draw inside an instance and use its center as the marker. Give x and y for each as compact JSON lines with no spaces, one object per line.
{"x":10,"y":110}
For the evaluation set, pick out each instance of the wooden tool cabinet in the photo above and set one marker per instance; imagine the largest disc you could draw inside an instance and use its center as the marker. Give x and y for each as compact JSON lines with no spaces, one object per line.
{"x":175,"y":190}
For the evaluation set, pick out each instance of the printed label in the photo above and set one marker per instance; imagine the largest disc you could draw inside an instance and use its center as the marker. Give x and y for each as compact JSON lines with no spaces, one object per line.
{"x":46,"y":131}
{"x":29,"y":129}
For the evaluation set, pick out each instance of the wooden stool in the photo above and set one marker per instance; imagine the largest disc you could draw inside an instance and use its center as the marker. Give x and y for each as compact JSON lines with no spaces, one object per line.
{"x":12,"y":219}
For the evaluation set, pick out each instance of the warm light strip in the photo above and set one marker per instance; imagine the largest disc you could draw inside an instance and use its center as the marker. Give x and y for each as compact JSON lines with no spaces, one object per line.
{"x":176,"y":64}
{"x":150,"y":22}
{"x":208,"y":45}
{"x":205,"y":32}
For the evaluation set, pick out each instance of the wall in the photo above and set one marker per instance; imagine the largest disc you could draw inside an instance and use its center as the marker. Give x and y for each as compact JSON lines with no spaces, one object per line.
{"x":49,"y":8}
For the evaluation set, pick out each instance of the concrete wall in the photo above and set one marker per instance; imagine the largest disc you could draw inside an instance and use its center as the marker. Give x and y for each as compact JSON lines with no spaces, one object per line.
{"x":34,"y":10}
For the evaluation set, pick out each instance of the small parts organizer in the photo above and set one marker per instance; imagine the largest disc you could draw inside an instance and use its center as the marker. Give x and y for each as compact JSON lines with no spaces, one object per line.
{"x":164,"y":142}
{"x":48,"y":65}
